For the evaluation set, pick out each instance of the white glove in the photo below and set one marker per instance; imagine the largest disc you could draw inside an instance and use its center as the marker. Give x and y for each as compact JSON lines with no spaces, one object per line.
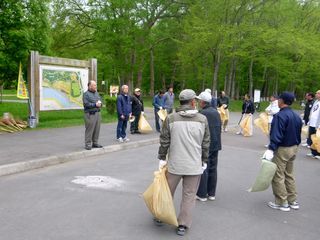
{"x":160,"y":108}
{"x":204,"y":167}
{"x":268,"y":155}
{"x":142,"y":113}
{"x":162,"y":163}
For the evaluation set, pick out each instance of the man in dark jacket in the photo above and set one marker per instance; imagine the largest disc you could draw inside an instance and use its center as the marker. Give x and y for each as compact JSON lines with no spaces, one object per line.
{"x":310,"y":100}
{"x":285,"y":136}
{"x":247,"y":110}
{"x":92,"y":117}
{"x":124,"y":113}
{"x":158,"y":105}
{"x":137,"y":109}
{"x":208,"y":183}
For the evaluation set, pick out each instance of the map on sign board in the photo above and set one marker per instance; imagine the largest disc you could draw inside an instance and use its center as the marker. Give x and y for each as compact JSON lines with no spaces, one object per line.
{"x":62,"y":87}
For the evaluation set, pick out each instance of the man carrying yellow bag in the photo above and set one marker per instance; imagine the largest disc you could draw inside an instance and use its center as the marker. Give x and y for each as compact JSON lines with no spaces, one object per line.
{"x":185,"y":138}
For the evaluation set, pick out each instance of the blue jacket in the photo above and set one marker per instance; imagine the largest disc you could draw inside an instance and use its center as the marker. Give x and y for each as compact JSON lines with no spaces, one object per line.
{"x":124,"y":105}
{"x":285,"y":129}
{"x":157,"y":102}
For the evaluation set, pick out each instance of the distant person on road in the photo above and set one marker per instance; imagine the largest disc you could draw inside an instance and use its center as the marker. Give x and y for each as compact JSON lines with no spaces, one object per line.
{"x":247,"y":111}
{"x":137,"y":109}
{"x":158,"y":104}
{"x":223,"y":100}
{"x":92,"y":117}
{"x":309,"y":103}
{"x":185,"y":138}
{"x":285,"y":136}
{"x":307,"y":109}
{"x":208,"y":183}
{"x":213,"y":99}
{"x":271,"y":110}
{"x":124,"y":113}
{"x":168,"y":100}
{"x":314,"y":124}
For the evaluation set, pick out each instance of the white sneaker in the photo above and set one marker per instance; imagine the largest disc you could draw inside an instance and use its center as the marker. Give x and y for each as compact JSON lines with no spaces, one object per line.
{"x":310,"y":155}
{"x":266,"y":146}
{"x":212,"y":198}
{"x":226,"y":129}
{"x":317,"y":157}
{"x":126,"y":139}
{"x":201,"y":199}
{"x":238,"y":133}
{"x":304,"y":144}
{"x":120,"y":140}
{"x":294,"y":205}
{"x":284,"y":208}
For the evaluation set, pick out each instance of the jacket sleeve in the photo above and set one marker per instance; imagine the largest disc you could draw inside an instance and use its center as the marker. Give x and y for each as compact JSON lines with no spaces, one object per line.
{"x":120,"y":105}
{"x":142,"y":105}
{"x":206,"y":143}
{"x":156,"y":102}
{"x":276,"y":133}
{"x":164,"y":140}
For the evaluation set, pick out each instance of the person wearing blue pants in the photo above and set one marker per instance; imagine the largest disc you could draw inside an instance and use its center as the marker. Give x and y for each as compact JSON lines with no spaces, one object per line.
{"x":208,"y":182}
{"x":158,"y":104}
{"x":124,"y":112}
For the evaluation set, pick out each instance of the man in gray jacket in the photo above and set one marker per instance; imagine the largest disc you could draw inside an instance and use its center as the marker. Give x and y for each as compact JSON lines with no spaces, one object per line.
{"x":92,"y":118}
{"x":185,"y":137}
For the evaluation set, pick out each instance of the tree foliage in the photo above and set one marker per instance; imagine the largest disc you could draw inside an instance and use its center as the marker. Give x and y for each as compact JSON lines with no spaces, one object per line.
{"x":231,"y":45}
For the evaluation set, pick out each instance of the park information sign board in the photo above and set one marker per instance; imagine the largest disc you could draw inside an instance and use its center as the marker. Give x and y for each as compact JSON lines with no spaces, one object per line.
{"x":62,"y":87}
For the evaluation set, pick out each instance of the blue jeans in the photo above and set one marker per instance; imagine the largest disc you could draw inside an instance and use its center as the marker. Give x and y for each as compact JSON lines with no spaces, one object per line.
{"x":121,"y":128}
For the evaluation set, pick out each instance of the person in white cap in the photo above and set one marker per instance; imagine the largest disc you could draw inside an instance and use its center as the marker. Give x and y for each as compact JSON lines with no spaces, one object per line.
{"x":185,"y":138}
{"x":137,"y":109}
{"x":208,"y":183}
{"x":213,"y":99}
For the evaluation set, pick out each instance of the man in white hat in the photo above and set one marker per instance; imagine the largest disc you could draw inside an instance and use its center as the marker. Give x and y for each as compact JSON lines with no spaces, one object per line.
{"x":185,"y":138}
{"x":208,"y":183}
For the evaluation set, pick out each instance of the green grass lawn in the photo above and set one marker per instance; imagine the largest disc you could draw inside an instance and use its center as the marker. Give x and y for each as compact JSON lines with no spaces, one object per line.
{"x":52,"y":119}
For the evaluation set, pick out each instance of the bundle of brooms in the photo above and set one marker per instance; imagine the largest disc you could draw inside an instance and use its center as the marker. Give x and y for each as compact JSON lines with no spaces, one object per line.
{"x":10,"y":125}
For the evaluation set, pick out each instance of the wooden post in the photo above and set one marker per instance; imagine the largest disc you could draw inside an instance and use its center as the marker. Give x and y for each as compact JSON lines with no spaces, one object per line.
{"x":93,"y":69}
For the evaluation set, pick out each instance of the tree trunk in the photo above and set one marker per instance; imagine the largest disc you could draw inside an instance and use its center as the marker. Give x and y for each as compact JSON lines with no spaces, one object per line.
{"x":139,"y":74}
{"x":151,"y":72}
{"x":216,"y":62}
{"x":251,"y":78}
{"x":163,"y":78}
{"x":233,"y":79}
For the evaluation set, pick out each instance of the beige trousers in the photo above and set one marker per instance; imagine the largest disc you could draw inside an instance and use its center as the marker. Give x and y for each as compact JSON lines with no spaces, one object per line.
{"x":283,"y":183}
{"x":190,"y":184}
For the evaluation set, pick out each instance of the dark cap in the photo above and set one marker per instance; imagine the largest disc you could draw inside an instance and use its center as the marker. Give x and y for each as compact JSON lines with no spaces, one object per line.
{"x":287,"y":97}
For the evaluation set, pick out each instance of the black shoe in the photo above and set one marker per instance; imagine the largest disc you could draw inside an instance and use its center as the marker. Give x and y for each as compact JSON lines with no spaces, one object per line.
{"x":97,"y":146}
{"x":157,"y":222}
{"x":181,"y":230}
{"x":88,"y":147}
{"x":137,"y":132}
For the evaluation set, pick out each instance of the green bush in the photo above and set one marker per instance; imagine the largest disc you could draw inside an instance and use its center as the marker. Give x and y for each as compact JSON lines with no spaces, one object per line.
{"x":111,"y":104}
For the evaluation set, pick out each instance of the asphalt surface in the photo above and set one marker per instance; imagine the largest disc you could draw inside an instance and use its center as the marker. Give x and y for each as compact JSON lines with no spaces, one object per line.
{"x":46,"y":204}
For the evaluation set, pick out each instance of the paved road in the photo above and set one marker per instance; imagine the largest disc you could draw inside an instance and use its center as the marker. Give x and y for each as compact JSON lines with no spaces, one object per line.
{"x":45,"y":204}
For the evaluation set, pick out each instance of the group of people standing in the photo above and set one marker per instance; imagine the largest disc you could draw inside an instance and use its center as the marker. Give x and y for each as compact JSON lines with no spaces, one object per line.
{"x":129,"y":108}
{"x":311,"y":118}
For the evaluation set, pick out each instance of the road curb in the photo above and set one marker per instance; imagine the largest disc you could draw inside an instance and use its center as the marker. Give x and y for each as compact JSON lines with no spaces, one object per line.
{"x":19,"y":167}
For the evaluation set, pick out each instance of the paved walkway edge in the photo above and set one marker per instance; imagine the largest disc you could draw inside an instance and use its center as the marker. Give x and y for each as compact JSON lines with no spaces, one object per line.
{"x":54,"y":160}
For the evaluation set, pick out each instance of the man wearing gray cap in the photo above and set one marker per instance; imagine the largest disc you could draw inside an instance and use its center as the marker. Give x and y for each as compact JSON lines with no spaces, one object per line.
{"x":185,"y":138}
{"x":208,"y":183}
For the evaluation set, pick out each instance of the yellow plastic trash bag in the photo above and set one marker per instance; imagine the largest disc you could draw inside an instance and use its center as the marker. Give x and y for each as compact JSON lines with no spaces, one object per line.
{"x":143,"y":125}
{"x":315,"y":138}
{"x":246,"y":125}
{"x":265,"y":176}
{"x":159,"y":200}
{"x":223,"y":113}
{"x":263,"y":123}
{"x":305,"y":131}
{"x":162,"y":113}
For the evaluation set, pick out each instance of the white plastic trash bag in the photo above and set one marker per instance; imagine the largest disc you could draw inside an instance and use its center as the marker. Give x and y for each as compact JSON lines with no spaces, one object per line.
{"x":265,"y":176}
